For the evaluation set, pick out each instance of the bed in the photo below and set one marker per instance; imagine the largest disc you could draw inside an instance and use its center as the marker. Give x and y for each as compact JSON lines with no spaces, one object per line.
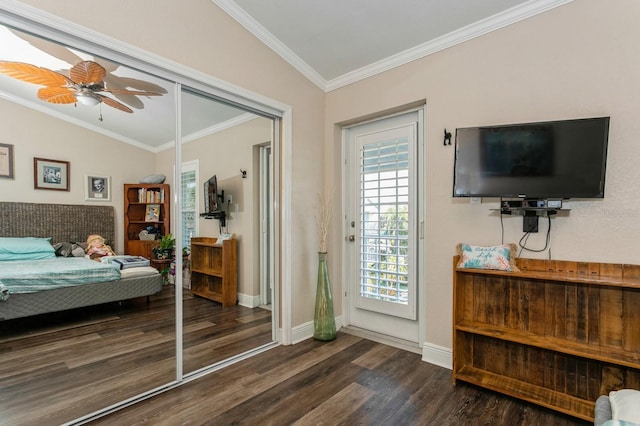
{"x":69,"y":223}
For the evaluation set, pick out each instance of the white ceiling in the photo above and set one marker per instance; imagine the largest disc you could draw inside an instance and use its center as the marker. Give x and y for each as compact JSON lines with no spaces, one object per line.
{"x":338,"y":42}
{"x":332,"y":42}
{"x":152,"y":124}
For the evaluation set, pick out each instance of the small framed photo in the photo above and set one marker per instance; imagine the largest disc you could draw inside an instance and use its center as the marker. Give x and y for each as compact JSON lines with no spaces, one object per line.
{"x":97,"y":188}
{"x":152,"y":213}
{"x":6,"y":161}
{"x":51,"y":174}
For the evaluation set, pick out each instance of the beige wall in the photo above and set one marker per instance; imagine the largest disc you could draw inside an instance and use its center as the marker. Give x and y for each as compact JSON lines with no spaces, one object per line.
{"x":199,"y":35}
{"x":224,"y":154}
{"x":579,"y":60}
{"x":34,"y":134}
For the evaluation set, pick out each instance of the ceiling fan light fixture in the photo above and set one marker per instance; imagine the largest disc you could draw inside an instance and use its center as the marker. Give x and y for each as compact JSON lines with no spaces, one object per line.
{"x":87,"y":99}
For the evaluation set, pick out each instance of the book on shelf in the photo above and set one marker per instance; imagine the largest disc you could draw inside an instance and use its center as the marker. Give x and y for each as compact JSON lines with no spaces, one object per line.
{"x":152,"y":213}
{"x":151,"y":195}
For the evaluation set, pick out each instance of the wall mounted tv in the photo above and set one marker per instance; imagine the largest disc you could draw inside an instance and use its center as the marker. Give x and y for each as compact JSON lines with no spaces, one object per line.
{"x":545,"y":160}
{"x":211,"y":196}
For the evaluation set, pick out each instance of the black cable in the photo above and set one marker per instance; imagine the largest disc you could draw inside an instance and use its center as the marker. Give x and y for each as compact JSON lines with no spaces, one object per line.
{"x":525,"y":237}
{"x":501,"y":224}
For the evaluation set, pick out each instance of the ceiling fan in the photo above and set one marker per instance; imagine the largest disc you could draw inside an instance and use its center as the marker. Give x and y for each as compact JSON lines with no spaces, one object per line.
{"x":85,"y":84}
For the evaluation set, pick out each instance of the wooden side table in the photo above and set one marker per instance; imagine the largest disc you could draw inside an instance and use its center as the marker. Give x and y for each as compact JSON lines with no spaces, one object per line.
{"x":160,"y":264}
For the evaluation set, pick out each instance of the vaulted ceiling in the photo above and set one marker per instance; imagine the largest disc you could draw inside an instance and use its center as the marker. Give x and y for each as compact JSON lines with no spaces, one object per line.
{"x":332,"y":42}
{"x":337,"y":42}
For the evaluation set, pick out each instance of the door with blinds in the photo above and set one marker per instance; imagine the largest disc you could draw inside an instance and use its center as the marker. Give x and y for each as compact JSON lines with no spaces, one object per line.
{"x":382,"y":160}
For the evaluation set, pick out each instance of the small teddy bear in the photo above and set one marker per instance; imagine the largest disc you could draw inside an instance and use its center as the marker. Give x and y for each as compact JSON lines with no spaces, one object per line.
{"x":96,"y":248}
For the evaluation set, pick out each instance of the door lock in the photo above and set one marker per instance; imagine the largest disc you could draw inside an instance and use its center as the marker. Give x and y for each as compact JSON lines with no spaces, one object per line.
{"x":352,"y":238}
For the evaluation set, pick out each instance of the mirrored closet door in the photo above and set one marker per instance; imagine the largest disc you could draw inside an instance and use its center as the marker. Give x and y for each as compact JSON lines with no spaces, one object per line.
{"x":134,"y":123}
{"x":107,"y":121}
{"x":222,"y":311}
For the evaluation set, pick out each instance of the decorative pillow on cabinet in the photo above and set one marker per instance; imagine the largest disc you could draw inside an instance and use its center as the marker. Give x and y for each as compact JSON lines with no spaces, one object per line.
{"x":501,"y":258}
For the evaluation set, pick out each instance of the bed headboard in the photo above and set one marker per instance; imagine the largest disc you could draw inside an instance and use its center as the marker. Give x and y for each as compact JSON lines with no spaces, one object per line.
{"x":61,"y":222}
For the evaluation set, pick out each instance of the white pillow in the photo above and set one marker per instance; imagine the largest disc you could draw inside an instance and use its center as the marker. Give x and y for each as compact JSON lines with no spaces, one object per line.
{"x":625,"y":405}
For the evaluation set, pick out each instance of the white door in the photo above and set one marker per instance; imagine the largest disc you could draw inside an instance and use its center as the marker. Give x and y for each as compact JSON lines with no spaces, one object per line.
{"x":382,"y":159}
{"x":265,"y":219}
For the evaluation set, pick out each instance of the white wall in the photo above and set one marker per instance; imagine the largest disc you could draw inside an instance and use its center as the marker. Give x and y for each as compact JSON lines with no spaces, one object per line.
{"x":579,"y":60}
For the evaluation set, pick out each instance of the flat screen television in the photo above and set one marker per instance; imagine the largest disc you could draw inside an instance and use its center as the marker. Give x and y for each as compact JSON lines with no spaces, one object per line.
{"x":211,"y":195}
{"x":544,"y":160}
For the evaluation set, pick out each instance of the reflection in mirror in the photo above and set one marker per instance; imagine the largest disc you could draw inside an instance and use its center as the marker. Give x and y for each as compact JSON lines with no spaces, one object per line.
{"x":111,"y":122}
{"x":223,"y":312}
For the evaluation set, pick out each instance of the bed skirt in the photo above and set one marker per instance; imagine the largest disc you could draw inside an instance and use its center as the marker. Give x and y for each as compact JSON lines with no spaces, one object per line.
{"x":23,"y":305}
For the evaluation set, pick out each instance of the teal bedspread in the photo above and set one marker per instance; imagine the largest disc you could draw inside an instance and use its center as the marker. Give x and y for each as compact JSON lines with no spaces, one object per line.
{"x":29,"y":276}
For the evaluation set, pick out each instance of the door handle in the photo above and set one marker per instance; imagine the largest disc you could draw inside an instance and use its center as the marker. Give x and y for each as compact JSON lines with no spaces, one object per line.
{"x":352,"y":238}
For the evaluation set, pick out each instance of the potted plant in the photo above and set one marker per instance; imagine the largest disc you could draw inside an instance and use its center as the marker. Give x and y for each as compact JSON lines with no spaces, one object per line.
{"x":166,"y":247}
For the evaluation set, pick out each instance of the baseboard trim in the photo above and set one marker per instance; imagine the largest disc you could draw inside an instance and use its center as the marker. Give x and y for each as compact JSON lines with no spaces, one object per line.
{"x":248,"y":301}
{"x":437,"y":355}
{"x":433,"y":354}
{"x":305,"y":331}
{"x":384,"y":339}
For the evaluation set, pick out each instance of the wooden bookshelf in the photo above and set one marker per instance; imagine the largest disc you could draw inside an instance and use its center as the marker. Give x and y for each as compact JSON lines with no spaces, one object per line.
{"x":137,"y":198}
{"x":558,"y":333}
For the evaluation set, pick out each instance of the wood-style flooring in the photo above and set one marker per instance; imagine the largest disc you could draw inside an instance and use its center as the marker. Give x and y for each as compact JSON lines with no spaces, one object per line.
{"x":58,"y":367}
{"x":350,"y":381}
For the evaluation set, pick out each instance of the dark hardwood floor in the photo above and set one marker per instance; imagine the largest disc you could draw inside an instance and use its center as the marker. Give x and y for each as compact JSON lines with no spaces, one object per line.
{"x":350,"y":381}
{"x":58,"y":367}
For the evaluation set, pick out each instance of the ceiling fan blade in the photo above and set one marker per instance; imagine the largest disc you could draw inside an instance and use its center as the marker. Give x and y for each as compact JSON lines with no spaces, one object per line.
{"x":57,"y":95}
{"x":33,"y":74}
{"x":130,"y":92}
{"x":56,"y":50}
{"x":87,"y":72}
{"x":115,"y":104}
{"x":116,"y":82}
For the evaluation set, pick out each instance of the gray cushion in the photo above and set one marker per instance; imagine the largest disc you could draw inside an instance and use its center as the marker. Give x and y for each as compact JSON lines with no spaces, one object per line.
{"x":603,"y":410}
{"x":154,"y":179}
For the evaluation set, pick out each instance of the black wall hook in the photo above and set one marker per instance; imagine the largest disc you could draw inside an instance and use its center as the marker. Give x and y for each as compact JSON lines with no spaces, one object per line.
{"x":244,"y":173}
{"x":447,"y":137}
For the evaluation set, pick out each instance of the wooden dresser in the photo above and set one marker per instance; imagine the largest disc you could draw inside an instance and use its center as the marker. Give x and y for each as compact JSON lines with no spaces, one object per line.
{"x":558,"y":333}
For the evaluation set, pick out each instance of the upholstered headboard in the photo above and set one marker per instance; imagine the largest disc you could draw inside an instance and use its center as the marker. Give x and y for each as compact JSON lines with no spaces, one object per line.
{"x":61,"y":222}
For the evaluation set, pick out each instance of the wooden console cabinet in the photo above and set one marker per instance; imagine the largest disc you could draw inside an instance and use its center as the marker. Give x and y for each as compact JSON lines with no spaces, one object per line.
{"x":558,"y":333}
{"x":214,"y":270}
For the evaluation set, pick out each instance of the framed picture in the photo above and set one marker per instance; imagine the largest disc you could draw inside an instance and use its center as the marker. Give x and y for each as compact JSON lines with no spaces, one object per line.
{"x":153,"y":213}
{"x":50,"y":174}
{"x":6,"y":161}
{"x":97,"y":188}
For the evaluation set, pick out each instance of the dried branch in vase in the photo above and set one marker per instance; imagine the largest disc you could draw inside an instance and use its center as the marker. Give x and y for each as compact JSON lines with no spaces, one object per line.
{"x":323,"y":218}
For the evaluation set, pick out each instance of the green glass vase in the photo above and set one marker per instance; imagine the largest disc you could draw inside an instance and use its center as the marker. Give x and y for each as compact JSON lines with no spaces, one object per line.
{"x":324,"y":322}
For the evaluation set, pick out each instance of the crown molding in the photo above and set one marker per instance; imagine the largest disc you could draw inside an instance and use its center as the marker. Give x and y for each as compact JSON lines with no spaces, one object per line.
{"x":22,"y":16}
{"x":216,"y":128}
{"x":42,"y":108}
{"x":255,"y":28}
{"x":477,"y":29}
